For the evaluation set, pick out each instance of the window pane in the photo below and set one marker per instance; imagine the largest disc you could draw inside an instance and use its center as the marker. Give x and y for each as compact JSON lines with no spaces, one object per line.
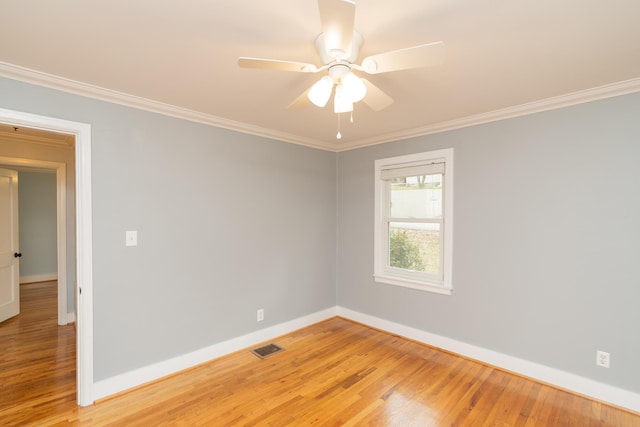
{"x":415,"y":247}
{"x":417,"y":197}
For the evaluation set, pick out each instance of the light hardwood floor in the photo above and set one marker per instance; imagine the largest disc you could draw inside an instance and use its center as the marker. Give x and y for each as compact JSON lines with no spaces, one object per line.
{"x":335,"y":373}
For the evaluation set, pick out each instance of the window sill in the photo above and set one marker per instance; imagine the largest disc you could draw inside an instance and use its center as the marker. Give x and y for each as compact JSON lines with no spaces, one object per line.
{"x":413,"y":284}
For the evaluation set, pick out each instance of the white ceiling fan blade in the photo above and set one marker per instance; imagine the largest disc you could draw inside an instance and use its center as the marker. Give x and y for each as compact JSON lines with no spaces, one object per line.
{"x":337,"y":17}
{"x":375,"y":97}
{"x":275,"y":64}
{"x":425,"y":55}
{"x":300,"y":102}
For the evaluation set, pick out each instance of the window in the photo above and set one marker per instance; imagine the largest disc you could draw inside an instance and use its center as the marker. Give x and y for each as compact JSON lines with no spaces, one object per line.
{"x":414,"y":212}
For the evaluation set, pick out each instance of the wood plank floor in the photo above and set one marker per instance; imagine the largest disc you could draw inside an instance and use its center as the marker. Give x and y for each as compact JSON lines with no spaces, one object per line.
{"x":335,"y":373}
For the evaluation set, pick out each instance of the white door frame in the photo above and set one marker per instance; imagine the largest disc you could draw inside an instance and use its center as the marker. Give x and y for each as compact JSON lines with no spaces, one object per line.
{"x":84,"y":241}
{"x":61,"y":221}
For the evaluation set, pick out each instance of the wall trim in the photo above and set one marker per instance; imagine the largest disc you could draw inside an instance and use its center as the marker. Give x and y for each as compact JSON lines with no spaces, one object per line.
{"x":555,"y":377}
{"x":580,"y":97}
{"x":27,"y":75}
{"x":564,"y":380}
{"x":84,"y":238}
{"x":161,"y":369}
{"x":40,"y":278}
{"x":51,"y":81}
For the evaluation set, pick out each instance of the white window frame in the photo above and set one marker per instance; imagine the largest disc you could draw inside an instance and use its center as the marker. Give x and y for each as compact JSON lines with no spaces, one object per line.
{"x":383,"y":273}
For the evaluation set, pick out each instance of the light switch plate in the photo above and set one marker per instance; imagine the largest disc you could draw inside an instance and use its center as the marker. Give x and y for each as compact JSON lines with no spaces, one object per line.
{"x":131,"y":238}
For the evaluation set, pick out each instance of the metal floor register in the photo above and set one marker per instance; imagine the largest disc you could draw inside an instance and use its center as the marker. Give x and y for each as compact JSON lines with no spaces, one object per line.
{"x":266,"y":350}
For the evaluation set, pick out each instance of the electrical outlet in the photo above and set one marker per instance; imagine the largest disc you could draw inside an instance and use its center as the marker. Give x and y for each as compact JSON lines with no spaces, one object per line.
{"x":131,"y":238}
{"x":260,"y":315}
{"x":602,"y":359}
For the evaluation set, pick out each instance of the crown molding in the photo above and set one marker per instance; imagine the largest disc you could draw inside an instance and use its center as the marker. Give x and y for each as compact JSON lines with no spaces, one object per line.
{"x":51,"y":81}
{"x":574,"y":98}
{"x":27,"y":75}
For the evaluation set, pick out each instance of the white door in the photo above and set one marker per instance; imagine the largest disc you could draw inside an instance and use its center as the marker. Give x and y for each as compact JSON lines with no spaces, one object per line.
{"x":9,"y":254}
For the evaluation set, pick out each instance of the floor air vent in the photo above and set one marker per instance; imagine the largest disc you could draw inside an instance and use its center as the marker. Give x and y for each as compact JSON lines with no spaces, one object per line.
{"x":266,"y":350}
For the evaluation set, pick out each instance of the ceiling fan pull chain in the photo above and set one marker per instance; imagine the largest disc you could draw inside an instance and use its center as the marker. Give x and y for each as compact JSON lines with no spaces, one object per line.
{"x":351,"y":118}
{"x":339,"y":135}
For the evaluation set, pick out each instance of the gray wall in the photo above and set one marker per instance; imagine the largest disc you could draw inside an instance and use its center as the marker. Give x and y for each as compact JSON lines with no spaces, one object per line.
{"x":227,"y":223}
{"x":37,"y":221}
{"x":546,"y":234}
{"x":546,"y":239}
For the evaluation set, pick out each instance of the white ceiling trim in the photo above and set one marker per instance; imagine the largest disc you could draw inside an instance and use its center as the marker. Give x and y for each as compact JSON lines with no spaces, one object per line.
{"x":580,"y":97}
{"x":27,"y":75}
{"x":51,"y":81}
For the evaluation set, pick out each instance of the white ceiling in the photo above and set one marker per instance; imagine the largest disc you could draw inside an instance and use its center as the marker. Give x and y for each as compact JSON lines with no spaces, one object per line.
{"x":502,"y":58}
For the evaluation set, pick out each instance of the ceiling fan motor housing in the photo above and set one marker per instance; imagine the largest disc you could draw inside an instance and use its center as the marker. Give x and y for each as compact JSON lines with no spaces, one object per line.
{"x":338,"y":71}
{"x":335,"y":55}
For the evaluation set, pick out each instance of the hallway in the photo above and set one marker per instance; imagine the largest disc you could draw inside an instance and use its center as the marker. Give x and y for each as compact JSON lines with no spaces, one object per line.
{"x":38,"y":358}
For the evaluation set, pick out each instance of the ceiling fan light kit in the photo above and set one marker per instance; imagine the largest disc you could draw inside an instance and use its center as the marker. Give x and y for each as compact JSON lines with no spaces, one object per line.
{"x":354,"y":88}
{"x":320,"y":92}
{"x":341,"y":101}
{"x":349,"y":88}
{"x":338,"y":46}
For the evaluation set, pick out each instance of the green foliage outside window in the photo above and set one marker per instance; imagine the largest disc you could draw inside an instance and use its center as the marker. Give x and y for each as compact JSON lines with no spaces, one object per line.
{"x":403,"y":252}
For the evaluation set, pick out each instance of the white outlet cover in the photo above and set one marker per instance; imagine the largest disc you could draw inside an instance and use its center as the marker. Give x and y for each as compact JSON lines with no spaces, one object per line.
{"x":603,"y":359}
{"x":131,"y":238}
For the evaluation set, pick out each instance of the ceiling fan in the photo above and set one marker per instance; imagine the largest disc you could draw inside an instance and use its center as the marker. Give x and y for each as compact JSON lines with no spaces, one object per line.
{"x":338,"y":47}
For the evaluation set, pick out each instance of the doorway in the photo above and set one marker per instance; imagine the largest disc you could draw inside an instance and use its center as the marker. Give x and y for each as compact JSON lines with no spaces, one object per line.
{"x":30,"y":165}
{"x":37,"y":218}
{"x":84,"y":274}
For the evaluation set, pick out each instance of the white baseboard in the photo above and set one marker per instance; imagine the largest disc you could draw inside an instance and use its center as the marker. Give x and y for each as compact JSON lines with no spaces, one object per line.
{"x":38,"y":278}
{"x":158,"y":370}
{"x":575,"y":383}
